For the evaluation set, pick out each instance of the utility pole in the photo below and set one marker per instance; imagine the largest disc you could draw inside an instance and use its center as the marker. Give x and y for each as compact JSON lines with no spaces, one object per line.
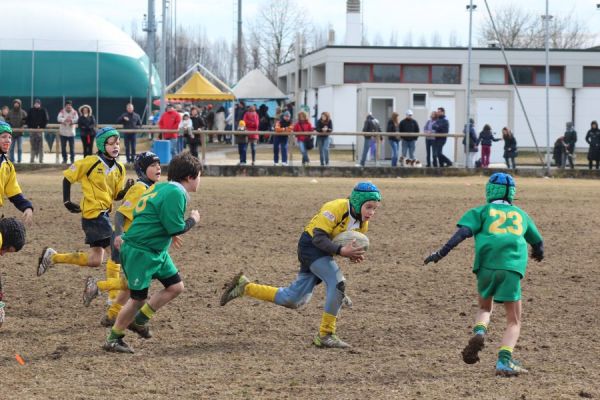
{"x":240,"y":53}
{"x":471,"y":8}
{"x":546,"y":17}
{"x":163,"y":58}
{"x":150,"y":29}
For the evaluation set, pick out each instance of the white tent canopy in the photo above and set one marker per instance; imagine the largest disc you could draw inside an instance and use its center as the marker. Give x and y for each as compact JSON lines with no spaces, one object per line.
{"x":255,"y":85}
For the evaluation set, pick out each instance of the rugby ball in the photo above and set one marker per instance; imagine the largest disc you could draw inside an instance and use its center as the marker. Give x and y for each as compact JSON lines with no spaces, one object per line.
{"x":362,"y":241}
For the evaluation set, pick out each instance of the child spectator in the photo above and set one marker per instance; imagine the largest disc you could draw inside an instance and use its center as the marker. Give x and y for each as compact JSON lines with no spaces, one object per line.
{"x":242,"y":143}
{"x":159,"y":218}
{"x":325,"y":127}
{"x":87,"y":129}
{"x":502,"y":232}
{"x":315,"y":253}
{"x":305,"y":141}
{"x":486,"y":137}
{"x":252,"y":122}
{"x":510,"y":147}
{"x":283,"y":126}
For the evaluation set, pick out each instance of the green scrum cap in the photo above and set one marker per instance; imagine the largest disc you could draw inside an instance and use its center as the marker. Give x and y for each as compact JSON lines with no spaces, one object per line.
{"x":363,"y":192}
{"x":5,"y":127}
{"x":501,"y":186}
{"x":102,"y":136}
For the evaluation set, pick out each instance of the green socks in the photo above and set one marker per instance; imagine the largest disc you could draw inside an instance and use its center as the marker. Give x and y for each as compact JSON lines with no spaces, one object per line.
{"x":115,"y":334}
{"x":144,"y":314}
{"x":505,"y":354}
{"x":480,"y":328}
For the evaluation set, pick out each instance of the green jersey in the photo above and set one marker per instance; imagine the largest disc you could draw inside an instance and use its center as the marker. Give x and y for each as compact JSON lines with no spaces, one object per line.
{"x":502,"y":232}
{"x":158,"y":216}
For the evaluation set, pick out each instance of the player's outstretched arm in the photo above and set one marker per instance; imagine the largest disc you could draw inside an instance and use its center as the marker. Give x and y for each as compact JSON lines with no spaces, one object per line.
{"x":537,"y":251}
{"x":121,"y":194}
{"x":23,"y":205}
{"x":461,"y":234}
{"x":72,"y":207}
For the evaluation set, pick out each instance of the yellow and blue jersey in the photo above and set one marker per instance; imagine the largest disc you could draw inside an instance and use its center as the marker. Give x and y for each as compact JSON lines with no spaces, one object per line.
{"x":9,"y":186}
{"x":100,"y":184}
{"x":130,"y":201}
{"x":334,"y":218}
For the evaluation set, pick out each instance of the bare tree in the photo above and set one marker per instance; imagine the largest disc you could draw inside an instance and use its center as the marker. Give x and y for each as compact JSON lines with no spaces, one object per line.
{"x":394,"y":38}
{"x":453,"y":39}
{"x":274,"y":31}
{"x":520,"y":28}
{"x":436,"y":39}
{"x":408,"y":39}
{"x":422,"y":40}
{"x":378,"y":40}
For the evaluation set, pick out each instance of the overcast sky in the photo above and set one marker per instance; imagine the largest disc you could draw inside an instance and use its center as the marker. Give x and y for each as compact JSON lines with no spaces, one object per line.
{"x":381,"y":17}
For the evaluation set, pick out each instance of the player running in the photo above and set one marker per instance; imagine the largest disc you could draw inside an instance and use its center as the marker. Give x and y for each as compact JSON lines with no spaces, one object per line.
{"x":102,"y":178}
{"x":147,"y":168}
{"x":315,"y":253}
{"x":502,"y":232}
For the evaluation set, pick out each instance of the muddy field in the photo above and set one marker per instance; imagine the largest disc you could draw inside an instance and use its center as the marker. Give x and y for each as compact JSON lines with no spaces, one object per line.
{"x":408,"y":324}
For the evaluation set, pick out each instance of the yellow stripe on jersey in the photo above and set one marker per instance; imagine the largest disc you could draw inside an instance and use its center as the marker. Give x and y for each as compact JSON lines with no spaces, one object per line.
{"x":130,"y":201}
{"x":9,"y":186}
{"x":99,"y":184}
{"x":333,"y":218}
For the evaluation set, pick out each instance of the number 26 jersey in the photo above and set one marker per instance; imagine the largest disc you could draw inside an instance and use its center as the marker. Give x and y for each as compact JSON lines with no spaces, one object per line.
{"x":502,"y":232}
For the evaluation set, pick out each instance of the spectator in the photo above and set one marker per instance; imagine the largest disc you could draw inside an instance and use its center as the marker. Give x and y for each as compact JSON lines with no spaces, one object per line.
{"x":430,"y":140}
{"x":242,"y":143}
{"x":87,"y":129}
{"x":210,"y":121}
{"x":37,"y":118}
{"x":169,"y":121}
{"x":252,"y":122}
{"x":240,"y":110}
{"x":195,"y":139}
{"x":409,"y":125}
{"x":510,"y":147}
{"x":440,"y":126}
{"x":370,"y":125}
{"x":229,"y":118}
{"x":593,"y":139}
{"x":324,"y":125}
{"x":4,"y":114}
{"x":67,"y":118}
{"x":283,"y":125}
{"x":304,"y":141}
{"x":290,"y":107}
{"x":130,"y":120}
{"x":220,"y":123}
{"x":264,"y":122}
{"x":393,"y":125}
{"x":486,"y":137}
{"x":473,"y":140}
{"x":186,"y":127}
{"x":570,"y":140}
{"x":17,"y":117}
{"x":558,"y":152}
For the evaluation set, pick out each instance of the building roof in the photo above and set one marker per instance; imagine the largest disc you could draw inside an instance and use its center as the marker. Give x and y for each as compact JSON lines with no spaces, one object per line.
{"x":255,"y":85}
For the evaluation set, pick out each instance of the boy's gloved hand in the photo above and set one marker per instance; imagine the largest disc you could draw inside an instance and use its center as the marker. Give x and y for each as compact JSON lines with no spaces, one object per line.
{"x":72,"y":207}
{"x":537,"y":256}
{"x":433,"y":257}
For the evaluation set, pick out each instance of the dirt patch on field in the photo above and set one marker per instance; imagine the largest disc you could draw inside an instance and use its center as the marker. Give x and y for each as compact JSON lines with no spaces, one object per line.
{"x":408,"y":325}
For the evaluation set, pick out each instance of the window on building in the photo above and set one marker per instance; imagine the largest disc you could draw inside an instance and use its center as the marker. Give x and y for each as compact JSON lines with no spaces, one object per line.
{"x":492,"y":75}
{"x":591,"y":76}
{"x":445,"y":74}
{"x":419,"y":100}
{"x":415,"y":74}
{"x":555,"y":76}
{"x":357,"y":73}
{"x":386,"y":73}
{"x":523,"y":75}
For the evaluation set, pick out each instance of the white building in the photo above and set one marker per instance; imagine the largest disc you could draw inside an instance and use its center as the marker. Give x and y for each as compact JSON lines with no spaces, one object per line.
{"x":351,"y":80}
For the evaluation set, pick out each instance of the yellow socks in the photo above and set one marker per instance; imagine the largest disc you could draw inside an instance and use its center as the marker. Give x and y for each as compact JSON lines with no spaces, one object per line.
{"x":261,"y":292}
{"x":144,"y":314}
{"x":113,"y":271}
{"x":112,"y":285}
{"x":71,"y":258}
{"x":113,"y":311}
{"x":327,"y":324}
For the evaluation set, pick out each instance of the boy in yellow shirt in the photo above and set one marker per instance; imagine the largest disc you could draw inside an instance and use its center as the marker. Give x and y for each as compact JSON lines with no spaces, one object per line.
{"x":102,"y":179}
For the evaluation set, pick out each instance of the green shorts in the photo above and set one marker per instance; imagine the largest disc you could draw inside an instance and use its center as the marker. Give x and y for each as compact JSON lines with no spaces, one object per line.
{"x":141,"y":266}
{"x":502,"y":285}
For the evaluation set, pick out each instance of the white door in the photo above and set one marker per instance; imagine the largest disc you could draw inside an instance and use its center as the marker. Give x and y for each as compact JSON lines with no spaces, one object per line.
{"x":493,"y":112}
{"x":449,"y":105}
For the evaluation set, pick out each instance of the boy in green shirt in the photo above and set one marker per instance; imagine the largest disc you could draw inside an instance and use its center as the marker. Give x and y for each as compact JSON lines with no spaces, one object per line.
{"x":502,"y":232}
{"x":158,"y":219}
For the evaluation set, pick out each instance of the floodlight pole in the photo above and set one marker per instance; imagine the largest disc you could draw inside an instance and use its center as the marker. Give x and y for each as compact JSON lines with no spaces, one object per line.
{"x":240,"y":52}
{"x":163,"y":58}
{"x":470,"y":7}
{"x":546,"y":17}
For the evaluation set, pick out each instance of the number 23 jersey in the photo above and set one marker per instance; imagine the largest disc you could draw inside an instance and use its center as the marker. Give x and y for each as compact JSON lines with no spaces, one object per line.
{"x":502,"y":232}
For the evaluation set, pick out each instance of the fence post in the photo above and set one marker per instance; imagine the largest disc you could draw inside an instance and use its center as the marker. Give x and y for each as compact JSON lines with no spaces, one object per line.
{"x":203,"y":147}
{"x":57,"y":142}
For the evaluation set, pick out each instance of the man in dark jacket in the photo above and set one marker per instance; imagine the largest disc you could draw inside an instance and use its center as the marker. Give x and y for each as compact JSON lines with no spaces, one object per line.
{"x":440,"y":125}
{"x":37,"y":118}
{"x":570,"y":140}
{"x":16,"y":118}
{"x":130,"y":120}
{"x":370,"y":125}
{"x":408,"y":125}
